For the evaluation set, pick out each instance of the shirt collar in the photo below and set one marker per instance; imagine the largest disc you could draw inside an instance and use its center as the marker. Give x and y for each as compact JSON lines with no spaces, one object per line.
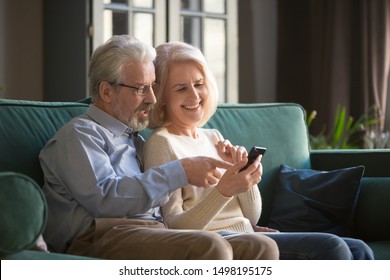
{"x":107,"y":121}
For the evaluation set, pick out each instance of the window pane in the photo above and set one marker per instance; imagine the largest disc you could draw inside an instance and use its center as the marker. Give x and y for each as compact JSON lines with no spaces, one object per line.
{"x":215,"y":6}
{"x":143,"y":27}
{"x":115,"y":23}
{"x":193,"y":5}
{"x":215,"y":51}
{"x":143,"y":3}
{"x":191,"y":30}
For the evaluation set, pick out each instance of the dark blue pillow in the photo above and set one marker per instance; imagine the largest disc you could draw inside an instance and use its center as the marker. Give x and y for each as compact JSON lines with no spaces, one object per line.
{"x":316,"y":201}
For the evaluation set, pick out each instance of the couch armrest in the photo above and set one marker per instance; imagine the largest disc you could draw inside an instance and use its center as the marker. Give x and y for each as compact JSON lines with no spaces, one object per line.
{"x":376,"y":161}
{"x":22,"y":212}
{"x":372,"y":215}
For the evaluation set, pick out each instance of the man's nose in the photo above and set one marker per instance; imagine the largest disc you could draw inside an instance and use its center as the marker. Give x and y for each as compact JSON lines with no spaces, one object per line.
{"x":150,"y":97}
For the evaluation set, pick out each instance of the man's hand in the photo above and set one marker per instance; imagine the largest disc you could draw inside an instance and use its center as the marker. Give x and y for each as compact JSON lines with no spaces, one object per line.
{"x":203,"y":171}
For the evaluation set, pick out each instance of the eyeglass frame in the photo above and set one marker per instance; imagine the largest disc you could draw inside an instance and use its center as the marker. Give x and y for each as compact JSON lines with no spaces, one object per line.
{"x":141,"y":90}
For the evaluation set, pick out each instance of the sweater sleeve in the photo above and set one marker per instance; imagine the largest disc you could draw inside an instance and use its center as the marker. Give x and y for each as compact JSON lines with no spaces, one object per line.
{"x":251,"y":204}
{"x":158,"y":150}
{"x":199,"y":216}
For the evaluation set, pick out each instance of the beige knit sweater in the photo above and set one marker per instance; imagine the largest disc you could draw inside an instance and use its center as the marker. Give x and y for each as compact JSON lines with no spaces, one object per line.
{"x":199,"y":208}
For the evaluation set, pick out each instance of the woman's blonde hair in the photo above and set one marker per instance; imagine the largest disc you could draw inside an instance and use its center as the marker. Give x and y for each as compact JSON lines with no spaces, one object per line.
{"x":179,"y":52}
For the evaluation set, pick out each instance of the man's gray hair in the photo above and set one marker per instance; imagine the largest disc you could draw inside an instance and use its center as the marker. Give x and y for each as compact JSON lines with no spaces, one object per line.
{"x":108,"y":60}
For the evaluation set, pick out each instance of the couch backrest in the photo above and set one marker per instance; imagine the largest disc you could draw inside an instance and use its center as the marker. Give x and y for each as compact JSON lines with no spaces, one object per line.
{"x":25,"y":127}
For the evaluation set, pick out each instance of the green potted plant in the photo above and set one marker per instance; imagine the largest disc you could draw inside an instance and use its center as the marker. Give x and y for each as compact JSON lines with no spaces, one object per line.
{"x":346,"y":133}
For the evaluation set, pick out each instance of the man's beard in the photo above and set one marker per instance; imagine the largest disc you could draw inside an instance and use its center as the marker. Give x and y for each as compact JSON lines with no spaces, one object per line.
{"x":134,"y":122}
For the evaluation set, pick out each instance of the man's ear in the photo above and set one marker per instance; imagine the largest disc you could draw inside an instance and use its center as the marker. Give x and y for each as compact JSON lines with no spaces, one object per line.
{"x":105,"y":91}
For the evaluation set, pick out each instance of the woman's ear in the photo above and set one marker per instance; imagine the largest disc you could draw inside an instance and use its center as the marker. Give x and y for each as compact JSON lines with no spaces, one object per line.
{"x":105,"y":91}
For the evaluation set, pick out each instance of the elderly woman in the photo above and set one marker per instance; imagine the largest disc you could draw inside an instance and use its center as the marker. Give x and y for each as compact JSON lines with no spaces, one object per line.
{"x":187,"y":97}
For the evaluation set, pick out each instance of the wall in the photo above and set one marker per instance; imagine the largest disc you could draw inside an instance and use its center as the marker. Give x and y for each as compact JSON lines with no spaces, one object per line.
{"x":21,"y":49}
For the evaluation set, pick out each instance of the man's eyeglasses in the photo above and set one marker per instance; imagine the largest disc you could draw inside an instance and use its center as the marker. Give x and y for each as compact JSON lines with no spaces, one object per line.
{"x":140,"y":90}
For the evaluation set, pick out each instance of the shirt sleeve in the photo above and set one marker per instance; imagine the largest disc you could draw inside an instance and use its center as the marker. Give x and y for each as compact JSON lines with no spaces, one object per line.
{"x":77,"y":166}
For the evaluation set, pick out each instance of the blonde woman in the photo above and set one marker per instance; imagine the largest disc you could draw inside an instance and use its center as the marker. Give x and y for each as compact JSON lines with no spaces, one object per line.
{"x":187,"y":97}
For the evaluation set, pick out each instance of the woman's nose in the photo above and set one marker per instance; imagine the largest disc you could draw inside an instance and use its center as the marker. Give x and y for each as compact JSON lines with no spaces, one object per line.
{"x":194,"y":92}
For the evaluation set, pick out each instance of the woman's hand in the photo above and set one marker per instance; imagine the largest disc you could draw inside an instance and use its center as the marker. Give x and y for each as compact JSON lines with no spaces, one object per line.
{"x":234,"y":182}
{"x":264,"y":229}
{"x":230,"y":153}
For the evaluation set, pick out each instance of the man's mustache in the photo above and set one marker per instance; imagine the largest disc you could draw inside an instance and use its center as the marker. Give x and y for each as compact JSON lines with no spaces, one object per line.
{"x":145,"y":107}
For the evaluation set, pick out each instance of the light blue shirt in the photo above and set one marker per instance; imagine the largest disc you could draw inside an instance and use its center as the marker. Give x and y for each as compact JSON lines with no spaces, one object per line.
{"x":92,"y":170}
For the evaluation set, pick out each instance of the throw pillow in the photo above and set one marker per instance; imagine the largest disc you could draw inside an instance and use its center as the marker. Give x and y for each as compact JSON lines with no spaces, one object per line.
{"x":309,"y":200}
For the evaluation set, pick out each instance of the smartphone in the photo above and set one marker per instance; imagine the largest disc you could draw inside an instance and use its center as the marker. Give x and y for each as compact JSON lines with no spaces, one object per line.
{"x":253,"y":154}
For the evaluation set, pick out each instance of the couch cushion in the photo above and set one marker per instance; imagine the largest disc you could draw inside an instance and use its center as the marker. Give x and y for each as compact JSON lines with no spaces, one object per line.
{"x":317,"y":201}
{"x":22,"y":212}
{"x":25,"y":127}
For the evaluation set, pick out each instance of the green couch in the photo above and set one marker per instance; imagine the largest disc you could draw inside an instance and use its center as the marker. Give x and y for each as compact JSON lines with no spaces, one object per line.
{"x":25,"y":126}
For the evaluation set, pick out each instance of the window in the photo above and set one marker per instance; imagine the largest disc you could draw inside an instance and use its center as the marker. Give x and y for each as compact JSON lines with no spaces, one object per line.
{"x":210,"y":25}
{"x":141,"y":18}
